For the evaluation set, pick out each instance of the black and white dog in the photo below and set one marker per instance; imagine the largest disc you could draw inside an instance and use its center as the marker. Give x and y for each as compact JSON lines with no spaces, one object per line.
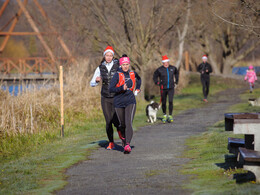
{"x":151,"y":111}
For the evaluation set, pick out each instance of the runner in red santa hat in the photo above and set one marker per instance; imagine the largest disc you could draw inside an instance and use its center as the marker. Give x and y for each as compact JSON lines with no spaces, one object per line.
{"x":205,"y":69}
{"x":168,"y":76}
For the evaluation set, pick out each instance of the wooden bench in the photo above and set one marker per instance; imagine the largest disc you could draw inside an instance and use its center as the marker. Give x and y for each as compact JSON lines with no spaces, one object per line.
{"x":230,"y":117}
{"x":234,"y":144}
{"x":250,"y":160}
{"x":234,"y":119}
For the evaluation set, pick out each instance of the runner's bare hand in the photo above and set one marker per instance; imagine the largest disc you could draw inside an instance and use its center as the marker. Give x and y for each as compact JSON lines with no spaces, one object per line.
{"x":125,"y":87}
{"x":98,"y":79}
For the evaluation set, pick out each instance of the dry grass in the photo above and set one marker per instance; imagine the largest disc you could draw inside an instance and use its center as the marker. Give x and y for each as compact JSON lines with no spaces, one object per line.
{"x":35,"y":110}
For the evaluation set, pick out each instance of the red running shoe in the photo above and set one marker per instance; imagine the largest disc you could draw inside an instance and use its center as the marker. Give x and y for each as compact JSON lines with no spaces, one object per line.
{"x":205,"y":100}
{"x":111,"y":146}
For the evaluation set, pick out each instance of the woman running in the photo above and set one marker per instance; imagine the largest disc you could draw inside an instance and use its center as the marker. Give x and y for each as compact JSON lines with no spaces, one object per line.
{"x":104,"y":72}
{"x":123,"y":84}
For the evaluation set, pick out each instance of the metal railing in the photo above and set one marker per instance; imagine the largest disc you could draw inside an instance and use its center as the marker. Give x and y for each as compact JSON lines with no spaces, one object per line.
{"x":31,"y":65}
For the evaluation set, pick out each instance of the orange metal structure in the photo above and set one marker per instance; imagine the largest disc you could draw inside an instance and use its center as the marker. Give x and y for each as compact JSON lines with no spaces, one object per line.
{"x":33,"y":64}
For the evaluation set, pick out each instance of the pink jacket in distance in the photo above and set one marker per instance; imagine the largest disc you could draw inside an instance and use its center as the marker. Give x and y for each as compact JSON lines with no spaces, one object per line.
{"x":250,"y":76}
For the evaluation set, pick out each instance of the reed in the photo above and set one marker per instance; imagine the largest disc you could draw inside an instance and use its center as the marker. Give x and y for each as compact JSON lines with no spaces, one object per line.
{"x":36,"y":110}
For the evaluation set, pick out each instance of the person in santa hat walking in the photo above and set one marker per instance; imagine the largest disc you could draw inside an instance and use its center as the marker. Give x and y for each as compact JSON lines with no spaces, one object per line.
{"x":168,"y":78}
{"x":104,"y":73}
{"x":205,"y":69}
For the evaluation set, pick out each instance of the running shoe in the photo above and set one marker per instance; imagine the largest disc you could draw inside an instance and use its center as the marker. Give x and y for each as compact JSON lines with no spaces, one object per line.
{"x":170,"y":119}
{"x":164,"y":119}
{"x":205,"y":100}
{"x":127,"y":149}
{"x":111,"y":146}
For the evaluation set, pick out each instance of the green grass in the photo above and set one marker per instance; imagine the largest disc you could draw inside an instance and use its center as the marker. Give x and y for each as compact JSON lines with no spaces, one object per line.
{"x":213,"y":169}
{"x":38,"y":166}
{"x":36,"y":163}
{"x":245,"y":106}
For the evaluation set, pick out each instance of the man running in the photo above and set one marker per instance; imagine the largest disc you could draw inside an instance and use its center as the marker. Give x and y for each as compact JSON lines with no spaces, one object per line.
{"x":205,"y":69}
{"x":168,"y":78}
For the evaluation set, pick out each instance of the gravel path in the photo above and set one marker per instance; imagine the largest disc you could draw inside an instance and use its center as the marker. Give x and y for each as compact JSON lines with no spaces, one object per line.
{"x":154,"y":163}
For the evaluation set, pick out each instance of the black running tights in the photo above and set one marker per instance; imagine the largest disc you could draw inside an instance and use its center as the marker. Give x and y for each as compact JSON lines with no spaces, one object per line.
{"x":125,"y":117}
{"x":205,"y":85}
{"x":110,"y":116}
{"x":170,"y":94}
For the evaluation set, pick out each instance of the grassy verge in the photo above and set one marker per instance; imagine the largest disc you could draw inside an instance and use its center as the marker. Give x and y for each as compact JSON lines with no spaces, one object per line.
{"x":214,"y":170}
{"x":36,"y":163}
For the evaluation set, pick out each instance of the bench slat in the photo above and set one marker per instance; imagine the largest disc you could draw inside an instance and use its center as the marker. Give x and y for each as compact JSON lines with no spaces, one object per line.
{"x":249,"y":155}
{"x":242,"y":115}
{"x":247,"y":121}
{"x":236,"y":141}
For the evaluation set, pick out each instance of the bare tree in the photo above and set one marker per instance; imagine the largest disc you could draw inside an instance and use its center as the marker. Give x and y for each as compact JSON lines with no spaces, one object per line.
{"x":247,"y":14}
{"x":224,"y":43}
{"x":182,"y":35}
{"x":137,"y":28}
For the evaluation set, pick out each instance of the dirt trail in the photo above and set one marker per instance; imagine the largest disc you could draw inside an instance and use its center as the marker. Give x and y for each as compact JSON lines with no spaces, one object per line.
{"x":154,"y":164}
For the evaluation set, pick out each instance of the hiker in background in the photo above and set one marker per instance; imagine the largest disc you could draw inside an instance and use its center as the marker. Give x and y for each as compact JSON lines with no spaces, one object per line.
{"x":251,"y":77}
{"x":205,"y":69}
{"x":104,"y":73}
{"x":125,"y":84}
{"x":168,"y":79}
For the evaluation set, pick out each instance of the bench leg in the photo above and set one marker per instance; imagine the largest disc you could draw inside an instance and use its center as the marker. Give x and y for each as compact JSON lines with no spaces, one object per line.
{"x":249,"y":139}
{"x":255,"y":170}
{"x":229,"y":124}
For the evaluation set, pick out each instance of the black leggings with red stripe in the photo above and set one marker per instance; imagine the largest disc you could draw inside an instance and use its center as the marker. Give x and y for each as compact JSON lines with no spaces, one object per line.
{"x":126,"y":117}
{"x":170,"y":94}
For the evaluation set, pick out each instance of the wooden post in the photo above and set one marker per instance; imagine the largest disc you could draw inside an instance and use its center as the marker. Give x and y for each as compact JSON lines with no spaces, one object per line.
{"x":61,"y":102}
{"x":187,"y":61}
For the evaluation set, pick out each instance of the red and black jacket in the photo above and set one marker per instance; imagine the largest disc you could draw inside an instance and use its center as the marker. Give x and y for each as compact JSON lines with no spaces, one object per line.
{"x":122,"y":97}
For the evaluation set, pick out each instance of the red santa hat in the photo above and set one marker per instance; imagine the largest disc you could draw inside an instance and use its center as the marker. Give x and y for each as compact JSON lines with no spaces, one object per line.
{"x":109,"y":49}
{"x":204,"y":57}
{"x":165,"y":59}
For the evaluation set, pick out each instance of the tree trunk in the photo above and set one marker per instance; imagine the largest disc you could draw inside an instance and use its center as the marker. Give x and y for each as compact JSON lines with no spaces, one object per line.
{"x":227,"y":65}
{"x":142,"y":92}
{"x":182,"y":35}
{"x":214,"y":65}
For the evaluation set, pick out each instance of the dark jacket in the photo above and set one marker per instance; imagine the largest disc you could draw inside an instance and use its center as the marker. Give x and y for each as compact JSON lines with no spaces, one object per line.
{"x":123,"y":98}
{"x":166,"y":77}
{"x":107,"y":77}
{"x":202,"y":69}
